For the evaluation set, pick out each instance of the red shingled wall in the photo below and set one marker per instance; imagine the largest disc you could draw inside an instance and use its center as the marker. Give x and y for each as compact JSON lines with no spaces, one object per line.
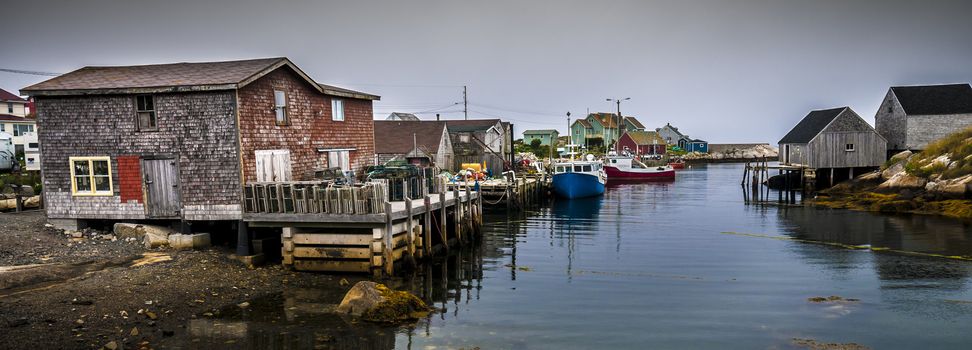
{"x":130,"y":178}
{"x":311,"y":125}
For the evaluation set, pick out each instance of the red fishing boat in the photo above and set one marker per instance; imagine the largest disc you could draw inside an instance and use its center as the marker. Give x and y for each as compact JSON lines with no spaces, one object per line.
{"x":678,"y":164}
{"x":622,"y":168}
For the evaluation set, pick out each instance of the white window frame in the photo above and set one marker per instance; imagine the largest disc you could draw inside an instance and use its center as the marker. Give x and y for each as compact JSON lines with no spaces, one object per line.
{"x":16,"y":132}
{"x":280,"y":116}
{"x":337,"y":109}
{"x":849,"y":147}
{"x":91,"y":177}
{"x":339,"y":159}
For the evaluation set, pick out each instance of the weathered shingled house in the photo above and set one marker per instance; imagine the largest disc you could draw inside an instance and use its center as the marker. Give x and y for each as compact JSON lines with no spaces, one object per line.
{"x":836,"y":139}
{"x":178,"y":141}
{"x":423,"y":143}
{"x":912,"y":116}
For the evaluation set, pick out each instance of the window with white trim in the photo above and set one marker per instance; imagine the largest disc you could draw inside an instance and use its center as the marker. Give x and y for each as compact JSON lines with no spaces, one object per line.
{"x":337,"y":109}
{"x":91,"y":176}
{"x":339,"y":159}
{"x":21,"y":129}
{"x":849,"y":147}
{"x":280,"y":107}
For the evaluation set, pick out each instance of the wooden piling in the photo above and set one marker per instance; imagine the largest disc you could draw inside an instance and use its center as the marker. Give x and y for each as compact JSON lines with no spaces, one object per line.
{"x":443,"y":221}
{"x":388,"y":246}
{"x":410,"y":234}
{"x":427,"y":228}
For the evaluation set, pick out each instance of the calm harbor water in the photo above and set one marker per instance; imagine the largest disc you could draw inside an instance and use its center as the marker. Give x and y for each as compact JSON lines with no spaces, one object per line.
{"x":676,"y":265}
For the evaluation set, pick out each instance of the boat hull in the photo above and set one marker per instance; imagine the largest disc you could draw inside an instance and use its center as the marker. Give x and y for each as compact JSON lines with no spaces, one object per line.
{"x":577,"y":185}
{"x":614,"y":173}
{"x":678,"y":165}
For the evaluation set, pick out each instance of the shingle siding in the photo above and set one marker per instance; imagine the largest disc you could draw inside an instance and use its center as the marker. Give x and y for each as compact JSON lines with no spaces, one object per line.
{"x":890,"y":122}
{"x":199,"y":129}
{"x":311,"y":126}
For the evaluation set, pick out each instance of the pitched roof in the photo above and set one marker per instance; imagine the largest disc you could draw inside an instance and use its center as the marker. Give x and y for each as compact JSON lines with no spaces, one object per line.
{"x":541,"y":131}
{"x":173,"y":77}
{"x":634,"y":122}
{"x":395,"y":136}
{"x":6,"y":96}
{"x":674,"y":129}
{"x":584,"y":122}
{"x":811,"y":125}
{"x":607,"y":120}
{"x":471,"y":125}
{"x":645,"y":137}
{"x":402,"y":116}
{"x":935,"y":99}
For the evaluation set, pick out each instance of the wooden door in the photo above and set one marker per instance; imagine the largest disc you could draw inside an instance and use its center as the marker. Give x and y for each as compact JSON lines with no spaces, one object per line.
{"x":161,"y":179}
{"x":273,"y":165}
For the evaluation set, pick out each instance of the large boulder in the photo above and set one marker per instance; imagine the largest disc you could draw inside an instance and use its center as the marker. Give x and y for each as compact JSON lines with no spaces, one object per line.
{"x":377,"y":303}
{"x":903,"y":180}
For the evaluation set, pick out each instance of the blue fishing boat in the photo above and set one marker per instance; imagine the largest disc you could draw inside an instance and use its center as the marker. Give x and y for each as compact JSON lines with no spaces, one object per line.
{"x":578,"y":179}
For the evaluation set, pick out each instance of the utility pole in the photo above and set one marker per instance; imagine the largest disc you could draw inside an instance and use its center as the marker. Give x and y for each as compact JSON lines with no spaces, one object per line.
{"x":465,"y":103}
{"x":620,"y":119}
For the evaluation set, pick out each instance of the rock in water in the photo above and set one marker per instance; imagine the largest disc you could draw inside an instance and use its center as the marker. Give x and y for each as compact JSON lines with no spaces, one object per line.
{"x":377,"y":303}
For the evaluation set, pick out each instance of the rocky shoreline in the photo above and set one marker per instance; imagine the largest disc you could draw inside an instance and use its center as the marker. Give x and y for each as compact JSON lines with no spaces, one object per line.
{"x":907,"y":183}
{"x":95,"y":290}
{"x":733,"y":154}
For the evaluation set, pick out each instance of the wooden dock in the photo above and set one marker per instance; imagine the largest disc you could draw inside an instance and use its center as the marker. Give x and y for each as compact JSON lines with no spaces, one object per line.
{"x":514,"y":192}
{"x":356,"y":229}
{"x":756,"y":174}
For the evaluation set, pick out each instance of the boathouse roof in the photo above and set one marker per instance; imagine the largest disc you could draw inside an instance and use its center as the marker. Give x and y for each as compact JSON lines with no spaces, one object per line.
{"x":644,"y":137}
{"x":396,"y":136}
{"x":175,"y":77}
{"x":811,"y":125}
{"x":935,"y":99}
{"x":540,"y":132}
{"x":472,"y":125}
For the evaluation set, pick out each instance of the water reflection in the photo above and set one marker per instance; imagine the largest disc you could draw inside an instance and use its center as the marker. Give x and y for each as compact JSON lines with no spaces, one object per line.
{"x":645,"y":266}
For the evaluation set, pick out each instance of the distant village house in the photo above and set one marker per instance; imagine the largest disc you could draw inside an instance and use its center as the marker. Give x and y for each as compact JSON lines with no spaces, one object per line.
{"x":179,"y":141}
{"x":547,"y":137}
{"x":602,"y":129}
{"x":15,"y":120}
{"x":481,"y":140}
{"x":642,"y":143}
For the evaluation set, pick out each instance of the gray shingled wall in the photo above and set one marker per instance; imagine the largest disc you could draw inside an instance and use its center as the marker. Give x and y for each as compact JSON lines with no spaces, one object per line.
{"x":199,"y":129}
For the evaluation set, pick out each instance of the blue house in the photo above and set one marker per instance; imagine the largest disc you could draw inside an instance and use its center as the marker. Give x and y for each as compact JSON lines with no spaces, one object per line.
{"x":697,"y":145}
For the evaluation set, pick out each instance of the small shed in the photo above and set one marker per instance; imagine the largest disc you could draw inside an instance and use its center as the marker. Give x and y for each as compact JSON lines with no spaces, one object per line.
{"x":696,"y":145}
{"x":833,"y":138}
{"x":642,"y":143}
{"x":423,"y":143}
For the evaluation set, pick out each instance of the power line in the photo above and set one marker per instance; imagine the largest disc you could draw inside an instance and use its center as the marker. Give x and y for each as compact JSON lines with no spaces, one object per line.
{"x":29,"y":72}
{"x":518,"y":111}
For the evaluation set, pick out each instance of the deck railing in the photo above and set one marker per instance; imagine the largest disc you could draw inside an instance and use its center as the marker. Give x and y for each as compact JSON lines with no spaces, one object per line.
{"x":314,"y":197}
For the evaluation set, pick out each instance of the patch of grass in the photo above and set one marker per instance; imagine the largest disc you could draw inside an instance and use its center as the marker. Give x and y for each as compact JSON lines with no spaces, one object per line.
{"x":957,"y":146}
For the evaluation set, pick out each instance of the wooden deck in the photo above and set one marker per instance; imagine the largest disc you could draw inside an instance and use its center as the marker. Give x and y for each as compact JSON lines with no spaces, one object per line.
{"x":371,"y":238}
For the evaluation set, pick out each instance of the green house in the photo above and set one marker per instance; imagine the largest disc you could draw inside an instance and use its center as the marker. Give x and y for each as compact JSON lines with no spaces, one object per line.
{"x":547,"y":137}
{"x":601,"y":129}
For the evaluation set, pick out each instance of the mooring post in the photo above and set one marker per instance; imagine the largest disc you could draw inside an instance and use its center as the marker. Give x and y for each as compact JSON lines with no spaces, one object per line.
{"x":410,"y":226}
{"x":19,"y":200}
{"x":443,"y":220}
{"x":388,"y":248}
{"x":469,"y":217}
{"x":785,"y":177}
{"x":457,"y":214}
{"x":427,"y":227}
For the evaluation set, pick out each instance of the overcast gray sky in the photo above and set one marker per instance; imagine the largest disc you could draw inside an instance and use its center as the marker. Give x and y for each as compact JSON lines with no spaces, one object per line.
{"x":724,"y":71}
